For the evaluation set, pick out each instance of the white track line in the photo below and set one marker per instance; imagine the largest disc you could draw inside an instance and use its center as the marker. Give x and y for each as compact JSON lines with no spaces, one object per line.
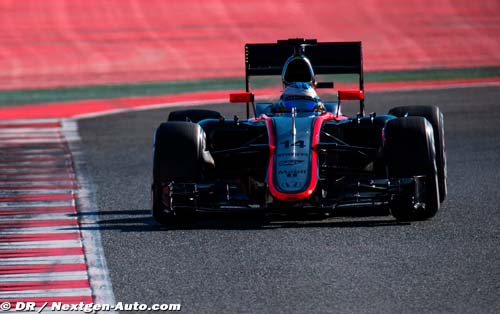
{"x":28,"y":121}
{"x":33,"y":151}
{"x":29,"y":131}
{"x":41,"y":164}
{"x":48,"y":208}
{"x":37,"y":180}
{"x":13,"y":172}
{"x":42,"y":192}
{"x":45,"y":293}
{"x":31,"y":141}
{"x":41,"y":244}
{"x":44,"y":260}
{"x":37,"y":217}
{"x":29,"y":135}
{"x":94,"y":253}
{"x":68,"y":275}
{"x":32,"y":183}
{"x":36,"y":176}
{"x":32,"y":230}
{"x":33,"y":192}
{"x":7,"y":205}
{"x":59,"y":154}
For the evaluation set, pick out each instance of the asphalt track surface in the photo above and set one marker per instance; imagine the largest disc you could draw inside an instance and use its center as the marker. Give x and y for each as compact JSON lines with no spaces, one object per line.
{"x":346,"y":264}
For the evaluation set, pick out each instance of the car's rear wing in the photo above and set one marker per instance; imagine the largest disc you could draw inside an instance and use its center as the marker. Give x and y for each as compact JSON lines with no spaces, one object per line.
{"x":325,"y":57}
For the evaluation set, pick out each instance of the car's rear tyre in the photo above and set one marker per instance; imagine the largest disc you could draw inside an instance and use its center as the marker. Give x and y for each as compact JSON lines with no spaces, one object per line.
{"x":410,"y":151}
{"x":436,"y":118}
{"x":193,"y":115}
{"x":179,"y":156}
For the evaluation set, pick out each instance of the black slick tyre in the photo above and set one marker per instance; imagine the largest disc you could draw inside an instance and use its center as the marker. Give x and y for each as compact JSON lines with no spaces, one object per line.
{"x":436,"y":118}
{"x":410,"y":152}
{"x":178,"y":157}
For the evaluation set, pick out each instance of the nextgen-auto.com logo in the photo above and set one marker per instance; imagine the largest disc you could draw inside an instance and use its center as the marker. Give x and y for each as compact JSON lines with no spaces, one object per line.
{"x":86,"y":308}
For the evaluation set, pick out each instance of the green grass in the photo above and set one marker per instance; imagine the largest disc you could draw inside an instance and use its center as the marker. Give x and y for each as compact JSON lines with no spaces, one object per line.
{"x":34,"y":96}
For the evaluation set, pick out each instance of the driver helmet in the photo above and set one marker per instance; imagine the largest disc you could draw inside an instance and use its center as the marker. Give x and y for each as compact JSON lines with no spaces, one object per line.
{"x":300,"y":96}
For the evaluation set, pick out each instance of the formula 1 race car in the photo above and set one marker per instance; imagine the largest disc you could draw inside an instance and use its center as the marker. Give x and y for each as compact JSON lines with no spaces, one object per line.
{"x":300,"y":153}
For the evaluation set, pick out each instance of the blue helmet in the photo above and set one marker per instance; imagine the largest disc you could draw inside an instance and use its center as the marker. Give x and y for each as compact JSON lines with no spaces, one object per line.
{"x":300,"y":96}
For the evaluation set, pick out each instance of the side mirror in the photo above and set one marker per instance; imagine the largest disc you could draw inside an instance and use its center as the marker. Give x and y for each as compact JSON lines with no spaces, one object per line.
{"x":351,"y":95}
{"x":241,"y":97}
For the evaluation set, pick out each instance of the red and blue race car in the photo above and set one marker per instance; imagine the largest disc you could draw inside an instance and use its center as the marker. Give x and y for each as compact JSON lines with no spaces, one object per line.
{"x":300,"y":153}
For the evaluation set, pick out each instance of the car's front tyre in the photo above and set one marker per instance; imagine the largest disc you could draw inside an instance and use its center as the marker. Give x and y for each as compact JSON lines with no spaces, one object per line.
{"x":410,"y":152}
{"x":179,"y":156}
{"x":436,"y":118}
